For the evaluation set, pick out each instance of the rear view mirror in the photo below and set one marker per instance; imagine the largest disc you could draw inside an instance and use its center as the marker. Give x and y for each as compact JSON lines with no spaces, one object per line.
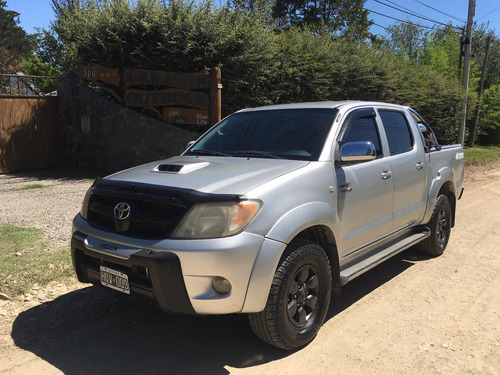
{"x":357,"y":151}
{"x":189,"y":144}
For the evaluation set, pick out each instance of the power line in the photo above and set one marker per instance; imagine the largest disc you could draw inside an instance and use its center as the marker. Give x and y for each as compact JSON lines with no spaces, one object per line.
{"x":411,"y":13}
{"x":488,"y":13}
{"x":402,"y":7}
{"x":383,"y":27}
{"x":437,"y":10}
{"x":400,"y":20}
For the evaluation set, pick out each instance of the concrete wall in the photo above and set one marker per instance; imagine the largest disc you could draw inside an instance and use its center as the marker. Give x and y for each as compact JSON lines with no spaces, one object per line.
{"x":100,"y":133}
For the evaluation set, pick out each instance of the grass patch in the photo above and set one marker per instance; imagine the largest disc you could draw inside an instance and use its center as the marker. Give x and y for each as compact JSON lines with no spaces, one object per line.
{"x":87,"y":174}
{"x":482,"y":155}
{"x":25,"y":260}
{"x":33,"y":186}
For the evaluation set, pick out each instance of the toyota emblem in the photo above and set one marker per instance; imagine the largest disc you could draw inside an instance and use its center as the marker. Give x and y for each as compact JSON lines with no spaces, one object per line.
{"x":122,"y":211}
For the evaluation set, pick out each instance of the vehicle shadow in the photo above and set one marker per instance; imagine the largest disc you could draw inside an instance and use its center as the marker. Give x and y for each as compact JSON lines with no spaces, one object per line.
{"x":373,"y":279}
{"x":94,"y":331}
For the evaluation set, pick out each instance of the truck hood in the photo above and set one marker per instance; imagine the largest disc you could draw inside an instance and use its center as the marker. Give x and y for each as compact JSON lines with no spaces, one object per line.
{"x":208,"y":174}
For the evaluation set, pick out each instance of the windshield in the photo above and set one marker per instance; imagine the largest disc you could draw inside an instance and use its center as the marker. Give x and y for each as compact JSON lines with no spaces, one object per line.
{"x":286,"y":134}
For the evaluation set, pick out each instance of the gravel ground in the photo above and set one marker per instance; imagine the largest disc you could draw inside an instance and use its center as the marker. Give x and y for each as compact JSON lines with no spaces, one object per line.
{"x":51,"y":209}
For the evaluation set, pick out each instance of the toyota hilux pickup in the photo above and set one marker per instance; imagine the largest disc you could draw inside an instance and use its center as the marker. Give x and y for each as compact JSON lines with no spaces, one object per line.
{"x":271,"y":211}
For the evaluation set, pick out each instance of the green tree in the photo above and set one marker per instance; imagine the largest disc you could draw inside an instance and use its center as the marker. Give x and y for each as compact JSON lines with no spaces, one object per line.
{"x":342,"y":17}
{"x":489,"y":118}
{"x":406,"y":40}
{"x":479,"y":37}
{"x":52,"y":51}
{"x":442,"y":50}
{"x":260,"y":64}
{"x":12,"y":37}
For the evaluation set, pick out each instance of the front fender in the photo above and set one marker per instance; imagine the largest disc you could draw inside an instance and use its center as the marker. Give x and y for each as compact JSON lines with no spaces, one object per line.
{"x":302,"y":217}
{"x":281,"y":234}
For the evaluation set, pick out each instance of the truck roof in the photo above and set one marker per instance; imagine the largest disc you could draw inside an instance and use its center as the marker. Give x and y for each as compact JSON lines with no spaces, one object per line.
{"x":322,"y":105}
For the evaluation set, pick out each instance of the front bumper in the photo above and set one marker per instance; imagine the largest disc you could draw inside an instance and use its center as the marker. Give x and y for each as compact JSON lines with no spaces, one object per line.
{"x":155,"y":276}
{"x":178,"y":274}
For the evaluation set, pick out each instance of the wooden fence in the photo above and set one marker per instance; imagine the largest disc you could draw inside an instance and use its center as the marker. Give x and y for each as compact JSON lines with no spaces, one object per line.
{"x":29,"y":133}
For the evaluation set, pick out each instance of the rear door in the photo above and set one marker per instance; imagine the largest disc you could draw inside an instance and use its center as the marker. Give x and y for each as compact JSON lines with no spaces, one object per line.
{"x":409,"y":166}
{"x":365,"y":189}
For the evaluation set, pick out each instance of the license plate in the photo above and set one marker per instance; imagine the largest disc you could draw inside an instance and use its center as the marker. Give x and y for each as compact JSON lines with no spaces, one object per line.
{"x":115,"y":280}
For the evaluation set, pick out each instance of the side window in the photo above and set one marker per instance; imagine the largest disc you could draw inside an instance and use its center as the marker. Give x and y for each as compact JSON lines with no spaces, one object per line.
{"x":428,"y":136}
{"x":361,"y":129}
{"x":397,"y":131}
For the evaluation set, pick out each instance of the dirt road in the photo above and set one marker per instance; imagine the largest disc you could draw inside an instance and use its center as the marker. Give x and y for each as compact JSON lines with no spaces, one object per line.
{"x":410,"y":315}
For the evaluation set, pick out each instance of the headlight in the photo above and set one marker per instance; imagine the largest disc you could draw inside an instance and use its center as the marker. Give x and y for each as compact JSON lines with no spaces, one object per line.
{"x":211,"y":220}
{"x":85,"y":205}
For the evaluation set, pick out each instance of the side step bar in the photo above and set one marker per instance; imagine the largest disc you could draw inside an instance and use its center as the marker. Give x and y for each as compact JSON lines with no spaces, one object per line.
{"x":367,"y":264}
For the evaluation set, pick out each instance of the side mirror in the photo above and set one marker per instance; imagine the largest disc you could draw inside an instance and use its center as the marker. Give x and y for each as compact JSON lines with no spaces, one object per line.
{"x":357,"y":151}
{"x":189,"y":144}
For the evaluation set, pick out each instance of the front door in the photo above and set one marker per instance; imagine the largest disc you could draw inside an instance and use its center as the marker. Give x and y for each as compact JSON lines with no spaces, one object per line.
{"x":365,"y":189}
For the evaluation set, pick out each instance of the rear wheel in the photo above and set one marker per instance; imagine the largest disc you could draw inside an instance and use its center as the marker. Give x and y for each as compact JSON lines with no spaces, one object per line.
{"x":440,"y":226}
{"x":299,"y":297}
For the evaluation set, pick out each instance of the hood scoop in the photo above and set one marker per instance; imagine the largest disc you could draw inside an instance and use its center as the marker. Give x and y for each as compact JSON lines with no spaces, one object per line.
{"x":178,"y":168}
{"x":172,"y":168}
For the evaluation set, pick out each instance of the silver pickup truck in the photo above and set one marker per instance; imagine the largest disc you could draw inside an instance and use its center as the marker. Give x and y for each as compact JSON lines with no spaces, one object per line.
{"x":271,"y":211}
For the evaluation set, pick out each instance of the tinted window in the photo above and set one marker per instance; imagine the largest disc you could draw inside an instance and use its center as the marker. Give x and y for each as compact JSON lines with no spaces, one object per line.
{"x":289,"y":134}
{"x":361,"y":129}
{"x":397,"y":131}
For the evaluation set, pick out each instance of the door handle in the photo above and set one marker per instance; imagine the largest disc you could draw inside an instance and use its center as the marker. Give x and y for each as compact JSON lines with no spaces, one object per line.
{"x":386,"y":174}
{"x":420,"y":165}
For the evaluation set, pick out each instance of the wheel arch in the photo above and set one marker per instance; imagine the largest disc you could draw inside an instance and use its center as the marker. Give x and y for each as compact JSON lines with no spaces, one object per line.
{"x":324,"y":237}
{"x":314,"y":221}
{"x":442,"y":184}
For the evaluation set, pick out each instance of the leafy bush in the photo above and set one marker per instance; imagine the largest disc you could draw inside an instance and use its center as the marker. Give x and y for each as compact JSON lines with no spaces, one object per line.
{"x":261,"y":63}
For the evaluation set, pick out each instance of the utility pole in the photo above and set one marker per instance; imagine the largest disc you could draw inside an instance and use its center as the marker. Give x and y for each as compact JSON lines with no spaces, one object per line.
{"x":465,"y":77}
{"x":461,"y":54}
{"x":473,"y":131}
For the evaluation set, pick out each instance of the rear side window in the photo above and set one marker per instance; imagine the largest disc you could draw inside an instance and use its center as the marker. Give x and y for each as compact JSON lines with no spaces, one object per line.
{"x":397,"y":131}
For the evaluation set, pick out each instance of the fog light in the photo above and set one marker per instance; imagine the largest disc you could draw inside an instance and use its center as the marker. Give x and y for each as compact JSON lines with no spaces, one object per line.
{"x":221,"y":285}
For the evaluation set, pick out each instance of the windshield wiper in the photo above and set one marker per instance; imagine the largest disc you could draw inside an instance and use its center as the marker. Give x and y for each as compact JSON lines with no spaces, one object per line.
{"x":208,"y":152}
{"x":258,"y":154}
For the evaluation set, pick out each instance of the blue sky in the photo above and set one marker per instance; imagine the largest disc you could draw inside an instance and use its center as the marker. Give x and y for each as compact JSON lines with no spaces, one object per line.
{"x":38,"y":13}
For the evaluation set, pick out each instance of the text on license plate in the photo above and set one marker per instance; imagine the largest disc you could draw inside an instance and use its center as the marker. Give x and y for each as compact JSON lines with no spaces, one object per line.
{"x":115,"y":280}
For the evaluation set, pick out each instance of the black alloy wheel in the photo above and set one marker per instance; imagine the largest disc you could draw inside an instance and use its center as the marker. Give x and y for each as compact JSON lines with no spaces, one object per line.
{"x":303,"y":296}
{"x":440,"y":227}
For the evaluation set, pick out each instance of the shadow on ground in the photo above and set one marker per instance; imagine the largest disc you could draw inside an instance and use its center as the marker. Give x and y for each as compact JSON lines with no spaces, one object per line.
{"x":93,"y":331}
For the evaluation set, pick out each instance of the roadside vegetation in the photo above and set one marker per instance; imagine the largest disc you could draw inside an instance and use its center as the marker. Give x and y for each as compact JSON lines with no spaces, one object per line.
{"x":270,"y":52}
{"x":33,"y":186}
{"x":25,"y":260}
{"x":482,"y":155}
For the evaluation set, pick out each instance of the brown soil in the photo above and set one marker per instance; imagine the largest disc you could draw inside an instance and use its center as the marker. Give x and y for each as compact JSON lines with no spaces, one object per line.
{"x":410,"y":315}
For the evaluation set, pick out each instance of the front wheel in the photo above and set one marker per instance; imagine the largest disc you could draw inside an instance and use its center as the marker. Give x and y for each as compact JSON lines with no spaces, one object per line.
{"x":299,"y":297}
{"x":440,"y":226}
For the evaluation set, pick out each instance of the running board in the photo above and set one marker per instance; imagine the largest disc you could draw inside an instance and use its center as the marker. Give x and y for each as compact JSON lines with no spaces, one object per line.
{"x":367,"y":264}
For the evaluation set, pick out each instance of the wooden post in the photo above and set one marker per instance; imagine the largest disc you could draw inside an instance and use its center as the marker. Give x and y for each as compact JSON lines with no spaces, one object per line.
{"x":465,"y":76}
{"x":215,"y":95}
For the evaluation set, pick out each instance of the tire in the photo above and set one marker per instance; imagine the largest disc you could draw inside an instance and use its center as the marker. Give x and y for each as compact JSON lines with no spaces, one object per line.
{"x":299,"y":297}
{"x":440,"y":226}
